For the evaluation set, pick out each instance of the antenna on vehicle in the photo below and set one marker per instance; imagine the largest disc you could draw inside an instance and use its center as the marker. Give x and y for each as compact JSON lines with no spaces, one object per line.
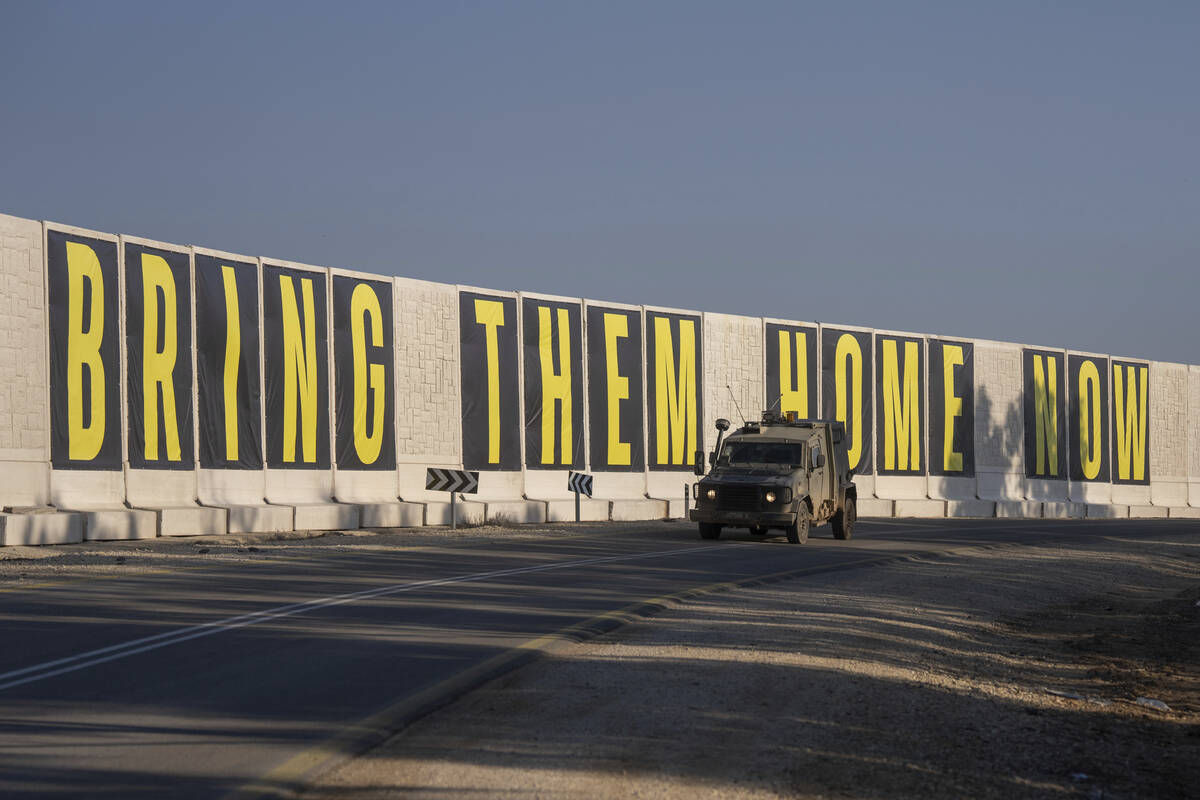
{"x":777,"y":399}
{"x":735,"y":404}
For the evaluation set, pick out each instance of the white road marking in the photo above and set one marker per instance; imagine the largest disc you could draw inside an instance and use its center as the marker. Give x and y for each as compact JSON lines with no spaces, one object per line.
{"x":91,"y":658}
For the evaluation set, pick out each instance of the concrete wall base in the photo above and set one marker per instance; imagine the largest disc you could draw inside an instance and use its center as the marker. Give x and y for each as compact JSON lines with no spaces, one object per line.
{"x":971,"y":509}
{"x":1064,"y":510}
{"x":191,"y":521}
{"x":119,"y":523}
{"x":325,"y":516}
{"x":391,"y":515}
{"x":1107,"y":511}
{"x":564,"y":510}
{"x":41,"y":528}
{"x":1018,"y":508}
{"x":1147,"y":512}
{"x":920,"y":508}
{"x":466,"y":512}
{"x":501,"y":512}
{"x":873,"y":507}
{"x":1184,"y":512}
{"x":259,"y":518}
{"x":636,"y":509}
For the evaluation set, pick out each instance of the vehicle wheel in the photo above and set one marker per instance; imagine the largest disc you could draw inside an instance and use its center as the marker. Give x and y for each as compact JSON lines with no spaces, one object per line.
{"x":843,"y":521}
{"x":710,"y":531}
{"x":758,"y":530}
{"x":797,"y":532}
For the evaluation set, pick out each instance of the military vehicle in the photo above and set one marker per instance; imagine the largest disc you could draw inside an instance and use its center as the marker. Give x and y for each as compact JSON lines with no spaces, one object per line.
{"x":782,"y":473}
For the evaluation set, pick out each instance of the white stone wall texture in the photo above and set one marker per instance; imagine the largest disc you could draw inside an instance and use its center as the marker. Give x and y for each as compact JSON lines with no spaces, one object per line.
{"x":429,"y":424}
{"x":24,"y":411}
{"x":1168,"y":420}
{"x":733,"y":357}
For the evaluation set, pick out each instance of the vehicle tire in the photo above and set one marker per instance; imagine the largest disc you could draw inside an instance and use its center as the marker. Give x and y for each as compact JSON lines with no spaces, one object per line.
{"x":758,"y":530}
{"x":710,"y":531}
{"x":797,"y":532}
{"x":843,"y":521}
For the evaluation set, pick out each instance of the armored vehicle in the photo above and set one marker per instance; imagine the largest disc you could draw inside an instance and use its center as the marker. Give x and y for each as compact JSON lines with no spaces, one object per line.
{"x":782,"y":473}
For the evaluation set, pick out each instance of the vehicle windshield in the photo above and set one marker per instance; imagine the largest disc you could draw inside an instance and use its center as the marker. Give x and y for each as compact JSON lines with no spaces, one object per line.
{"x":772,"y":453}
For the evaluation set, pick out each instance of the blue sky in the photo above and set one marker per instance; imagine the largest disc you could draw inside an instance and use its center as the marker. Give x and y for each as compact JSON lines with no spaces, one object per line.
{"x":1017,"y":171}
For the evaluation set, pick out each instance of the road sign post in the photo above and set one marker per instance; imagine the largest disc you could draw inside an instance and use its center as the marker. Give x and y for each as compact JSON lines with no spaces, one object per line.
{"x":453,"y":481}
{"x":579,"y":483}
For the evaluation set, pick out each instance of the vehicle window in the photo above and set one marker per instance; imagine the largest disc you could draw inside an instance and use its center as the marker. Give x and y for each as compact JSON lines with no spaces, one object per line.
{"x":787,"y":453}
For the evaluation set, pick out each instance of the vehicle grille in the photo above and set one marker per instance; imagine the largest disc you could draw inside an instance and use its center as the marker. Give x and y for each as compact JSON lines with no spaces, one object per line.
{"x":739,"y":498}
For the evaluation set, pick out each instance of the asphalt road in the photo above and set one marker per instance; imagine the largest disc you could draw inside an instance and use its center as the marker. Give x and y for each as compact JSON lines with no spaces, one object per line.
{"x":243,"y":677}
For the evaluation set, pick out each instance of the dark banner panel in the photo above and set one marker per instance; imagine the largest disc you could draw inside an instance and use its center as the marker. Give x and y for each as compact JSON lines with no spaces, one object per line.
{"x":364,"y":362}
{"x":1045,"y":415}
{"x":792,"y":369}
{"x":227,"y":364}
{"x":296,"y":356}
{"x":951,"y":408}
{"x":900,"y":404}
{"x":674,"y":398}
{"x":85,"y":355}
{"x":491,"y":417}
{"x":158,"y":341}
{"x":1131,"y":422}
{"x":1087,"y":417}
{"x":553,"y":341}
{"x":614,"y":342}
{"x":846,"y":372}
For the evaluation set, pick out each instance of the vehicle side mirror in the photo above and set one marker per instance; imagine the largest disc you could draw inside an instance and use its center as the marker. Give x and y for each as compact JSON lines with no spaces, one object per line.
{"x":699,"y":462}
{"x":818,"y":460}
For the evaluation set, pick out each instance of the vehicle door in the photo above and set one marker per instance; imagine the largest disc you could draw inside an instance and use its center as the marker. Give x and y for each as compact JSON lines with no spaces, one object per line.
{"x":819,"y":484}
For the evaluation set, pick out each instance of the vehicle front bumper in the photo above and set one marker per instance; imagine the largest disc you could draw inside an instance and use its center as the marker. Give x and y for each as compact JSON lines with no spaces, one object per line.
{"x":773,"y":519}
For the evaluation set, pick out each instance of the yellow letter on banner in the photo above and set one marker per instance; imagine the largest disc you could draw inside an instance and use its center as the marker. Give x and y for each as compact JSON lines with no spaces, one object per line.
{"x":901,"y":425}
{"x":233,"y":355}
{"x":1089,"y":419}
{"x":847,"y":366}
{"x":952,"y":356}
{"x":490,"y":314}
{"x":1045,"y":413}
{"x":365,"y":303}
{"x":793,"y":399}
{"x":555,"y":386}
{"x":299,"y":369}
{"x":83,"y":350}
{"x":616,"y":326}
{"x":159,"y":364}
{"x":1132,"y":404}
{"x":675,"y":393}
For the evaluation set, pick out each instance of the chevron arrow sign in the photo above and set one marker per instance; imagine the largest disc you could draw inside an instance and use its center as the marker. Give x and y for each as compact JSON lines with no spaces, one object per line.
{"x":451,"y":480}
{"x":579,"y":482}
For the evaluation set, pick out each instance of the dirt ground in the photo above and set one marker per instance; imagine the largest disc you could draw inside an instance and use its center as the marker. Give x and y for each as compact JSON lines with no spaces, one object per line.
{"x":988,"y":674}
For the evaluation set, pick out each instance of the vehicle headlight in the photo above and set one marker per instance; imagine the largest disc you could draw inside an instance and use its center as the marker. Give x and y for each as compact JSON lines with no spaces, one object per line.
{"x":770,"y":497}
{"x":711,"y":494}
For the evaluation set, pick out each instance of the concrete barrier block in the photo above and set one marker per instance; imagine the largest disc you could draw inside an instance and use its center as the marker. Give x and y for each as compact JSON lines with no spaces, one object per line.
{"x":391,"y":515}
{"x":634,"y":510}
{"x":1194,"y":494}
{"x":1169,"y":492}
{"x":564,"y":510}
{"x":1131,"y":495}
{"x":467,"y":512}
{"x":325,"y":516}
{"x":119,"y":523}
{"x":873,"y":507}
{"x":1006,"y":486}
{"x":920,"y":508}
{"x":1107,"y":511}
{"x":1020,"y":509}
{"x":902,"y":487}
{"x":1183,"y":512}
{"x":1064,"y":510}
{"x":41,"y":528}
{"x":1147,"y":512}
{"x":191,"y":521}
{"x":519,"y":511}
{"x":976,"y":509}
{"x":258,"y":518}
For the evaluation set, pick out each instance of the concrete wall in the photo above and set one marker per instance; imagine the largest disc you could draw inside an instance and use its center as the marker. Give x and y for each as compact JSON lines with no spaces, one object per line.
{"x":24,"y":382}
{"x":428,"y":422}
